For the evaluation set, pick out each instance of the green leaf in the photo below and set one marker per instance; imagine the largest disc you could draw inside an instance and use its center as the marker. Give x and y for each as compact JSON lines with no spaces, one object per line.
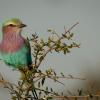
{"x":65,"y":51}
{"x":48,"y":44}
{"x":72,"y":34}
{"x":62,"y":74}
{"x":41,"y":58}
{"x":55,"y":73}
{"x":49,"y":40}
{"x":48,"y":98}
{"x":40,"y":94}
{"x":42,"y":42}
{"x":38,"y":84}
{"x":59,"y":42}
{"x":55,"y":93}
{"x":56,"y":49}
{"x":70,"y":46}
{"x":62,"y":93}
{"x":49,"y":30}
{"x":68,"y":51}
{"x":46,"y":91}
{"x":64,"y":35}
{"x":51,"y":90}
{"x":39,"y":71}
{"x":46,"y":88}
{"x":27,"y":38}
{"x":13,"y":98}
{"x":43,"y":80}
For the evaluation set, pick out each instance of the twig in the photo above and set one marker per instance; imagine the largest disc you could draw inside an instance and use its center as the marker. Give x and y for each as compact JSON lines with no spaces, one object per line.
{"x":46,"y":91}
{"x":60,"y":77}
{"x":54,"y":44}
{"x":36,"y":57}
{"x":48,"y":76}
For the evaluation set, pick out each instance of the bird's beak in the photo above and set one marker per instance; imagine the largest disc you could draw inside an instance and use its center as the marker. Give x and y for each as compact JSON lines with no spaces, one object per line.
{"x":22,"y":25}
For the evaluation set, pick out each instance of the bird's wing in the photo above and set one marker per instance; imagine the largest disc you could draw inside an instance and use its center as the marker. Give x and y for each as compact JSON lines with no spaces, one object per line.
{"x":29,"y":58}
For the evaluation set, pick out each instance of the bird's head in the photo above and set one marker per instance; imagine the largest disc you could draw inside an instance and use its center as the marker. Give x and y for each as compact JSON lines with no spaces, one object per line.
{"x":12,"y":26}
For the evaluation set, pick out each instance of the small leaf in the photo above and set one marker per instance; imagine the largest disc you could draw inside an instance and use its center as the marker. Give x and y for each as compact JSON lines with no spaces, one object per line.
{"x":43,"y":80}
{"x":68,"y":51}
{"x":40,"y":94}
{"x":41,"y":58}
{"x":55,"y":73}
{"x":64,"y":35}
{"x":42,"y":42}
{"x":49,"y":30}
{"x":39,"y":71}
{"x":62,"y":74}
{"x":51,"y":90}
{"x":59,"y":42}
{"x":49,"y":40}
{"x":72,"y":34}
{"x":27,"y":38}
{"x":48,"y":98}
{"x":56,"y":49}
{"x":48,"y":44}
{"x":65,"y":51}
{"x":70,"y":76}
{"x":13,"y":98}
{"x":46,"y":92}
{"x":46,"y":88}
{"x":62,"y":93}
{"x":80,"y":92}
{"x":34,"y":36}
{"x":39,"y":84}
{"x":70,"y":46}
{"x":53,"y":32}
{"x":55,"y":93}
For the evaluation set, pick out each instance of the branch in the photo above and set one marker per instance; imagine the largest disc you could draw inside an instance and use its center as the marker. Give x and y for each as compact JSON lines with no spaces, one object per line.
{"x":47,"y":76}
{"x":46,"y":91}
{"x":51,"y":75}
{"x":67,"y":31}
{"x":36,"y":57}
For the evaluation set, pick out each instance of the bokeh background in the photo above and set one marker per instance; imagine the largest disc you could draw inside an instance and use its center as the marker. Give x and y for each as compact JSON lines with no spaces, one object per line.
{"x":39,"y":15}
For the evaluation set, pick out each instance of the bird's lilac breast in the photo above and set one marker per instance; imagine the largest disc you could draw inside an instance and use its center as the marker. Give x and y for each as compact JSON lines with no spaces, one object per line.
{"x":11,"y":44}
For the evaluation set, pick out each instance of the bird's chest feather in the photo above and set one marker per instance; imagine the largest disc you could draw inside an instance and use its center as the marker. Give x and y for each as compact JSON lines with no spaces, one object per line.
{"x":12,"y":44}
{"x":17,"y":58}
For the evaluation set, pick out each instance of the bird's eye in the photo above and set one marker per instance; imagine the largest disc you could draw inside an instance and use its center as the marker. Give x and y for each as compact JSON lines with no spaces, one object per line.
{"x":12,"y":25}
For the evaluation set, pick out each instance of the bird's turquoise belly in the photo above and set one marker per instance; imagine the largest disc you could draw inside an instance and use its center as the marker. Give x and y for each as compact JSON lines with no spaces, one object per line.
{"x":16,"y":59}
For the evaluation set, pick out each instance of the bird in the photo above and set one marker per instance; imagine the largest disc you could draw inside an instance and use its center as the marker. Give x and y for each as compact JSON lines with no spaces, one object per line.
{"x":15,"y":50}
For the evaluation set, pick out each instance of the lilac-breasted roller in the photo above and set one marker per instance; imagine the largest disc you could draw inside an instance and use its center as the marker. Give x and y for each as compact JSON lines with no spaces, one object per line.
{"x":14,"y":48}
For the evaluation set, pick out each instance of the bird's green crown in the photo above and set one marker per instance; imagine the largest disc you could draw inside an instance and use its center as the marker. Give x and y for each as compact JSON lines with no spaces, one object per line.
{"x":13,"y":21}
